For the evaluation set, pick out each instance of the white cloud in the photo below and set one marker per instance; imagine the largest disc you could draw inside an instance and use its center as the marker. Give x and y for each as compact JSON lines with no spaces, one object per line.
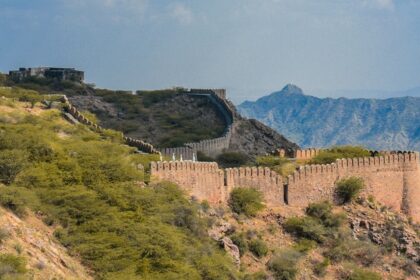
{"x":181,"y":13}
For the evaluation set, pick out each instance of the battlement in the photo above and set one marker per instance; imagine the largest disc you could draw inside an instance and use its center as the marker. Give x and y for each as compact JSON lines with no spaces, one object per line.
{"x":394,"y":180}
{"x":74,"y":113}
{"x":211,"y":147}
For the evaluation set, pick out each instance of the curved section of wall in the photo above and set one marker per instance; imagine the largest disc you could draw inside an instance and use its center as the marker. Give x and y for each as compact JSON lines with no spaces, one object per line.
{"x":139,"y":144}
{"x":211,"y":147}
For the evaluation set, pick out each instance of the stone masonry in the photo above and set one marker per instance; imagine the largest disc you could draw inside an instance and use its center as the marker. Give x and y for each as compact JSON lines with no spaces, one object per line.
{"x":393,"y":179}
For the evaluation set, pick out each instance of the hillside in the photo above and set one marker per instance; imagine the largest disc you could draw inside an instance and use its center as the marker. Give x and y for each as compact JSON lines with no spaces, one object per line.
{"x":164,"y":118}
{"x":89,"y":188}
{"x":315,"y":122}
{"x":32,"y":242}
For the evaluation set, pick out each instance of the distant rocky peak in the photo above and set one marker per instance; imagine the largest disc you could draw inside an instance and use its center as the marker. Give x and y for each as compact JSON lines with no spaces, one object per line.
{"x":291,"y":89}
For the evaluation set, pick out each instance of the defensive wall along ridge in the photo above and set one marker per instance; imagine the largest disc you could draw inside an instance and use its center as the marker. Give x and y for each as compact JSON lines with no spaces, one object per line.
{"x":73,"y":115}
{"x":393,"y":180}
{"x":211,"y":147}
{"x":307,"y":154}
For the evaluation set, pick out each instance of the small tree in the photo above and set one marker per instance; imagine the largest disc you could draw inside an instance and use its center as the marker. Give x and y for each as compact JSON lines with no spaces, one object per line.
{"x":347,"y":189}
{"x":248,"y":201}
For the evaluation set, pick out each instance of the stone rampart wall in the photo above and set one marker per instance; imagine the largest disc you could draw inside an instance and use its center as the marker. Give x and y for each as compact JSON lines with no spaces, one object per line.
{"x":306,"y":154}
{"x":393,"y":180}
{"x":267,"y":181}
{"x":203,"y":180}
{"x":139,"y":144}
{"x":211,"y":147}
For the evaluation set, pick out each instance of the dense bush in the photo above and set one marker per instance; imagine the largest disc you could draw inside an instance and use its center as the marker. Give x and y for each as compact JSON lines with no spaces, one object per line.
{"x":248,"y":201}
{"x":240,"y":241}
{"x":362,"y":274}
{"x":306,"y":227}
{"x":283,"y":264}
{"x":331,"y":155}
{"x":347,"y":189}
{"x":321,"y":267}
{"x":4,"y":235}
{"x":232,"y":159}
{"x":203,"y":157}
{"x":347,"y":249}
{"x":258,"y":247}
{"x":12,"y":267}
{"x":11,"y":163}
{"x":281,"y":165}
{"x":322,"y":212}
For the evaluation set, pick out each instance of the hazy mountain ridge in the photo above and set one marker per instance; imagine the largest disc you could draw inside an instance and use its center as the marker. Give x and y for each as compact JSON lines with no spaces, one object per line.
{"x":310,"y":121}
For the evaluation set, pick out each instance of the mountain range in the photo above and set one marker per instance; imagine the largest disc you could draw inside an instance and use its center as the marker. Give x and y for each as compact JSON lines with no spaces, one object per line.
{"x":392,"y":123}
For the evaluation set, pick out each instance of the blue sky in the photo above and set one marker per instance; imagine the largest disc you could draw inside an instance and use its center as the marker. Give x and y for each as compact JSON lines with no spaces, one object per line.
{"x":249,"y":47}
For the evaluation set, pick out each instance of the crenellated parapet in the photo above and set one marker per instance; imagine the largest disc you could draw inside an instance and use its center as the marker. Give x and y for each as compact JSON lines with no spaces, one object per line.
{"x":266,"y":180}
{"x":392,"y":178}
{"x":306,"y":154}
{"x":74,"y":113}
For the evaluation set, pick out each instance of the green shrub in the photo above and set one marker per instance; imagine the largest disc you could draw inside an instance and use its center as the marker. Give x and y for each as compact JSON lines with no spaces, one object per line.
{"x":11,"y":266}
{"x":306,"y":227}
{"x":348,"y":249}
{"x":283,"y":264}
{"x":232,"y":159}
{"x":331,"y":155}
{"x":11,"y":163}
{"x":203,"y":157}
{"x":240,"y":241}
{"x":17,"y":199}
{"x":261,"y":275}
{"x":258,"y":248}
{"x":321,"y":267}
{"x":322,"y":212}
{"x":280,"y":165}
{"x":362,"y":274}
{"x":248,"y":201}
{"x":348,"y":189}
{"x":304,"y":245}
{"x":4,"y":235}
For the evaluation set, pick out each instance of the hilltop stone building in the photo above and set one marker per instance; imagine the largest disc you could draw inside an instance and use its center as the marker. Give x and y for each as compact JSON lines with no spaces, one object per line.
{"x":61,"y":74}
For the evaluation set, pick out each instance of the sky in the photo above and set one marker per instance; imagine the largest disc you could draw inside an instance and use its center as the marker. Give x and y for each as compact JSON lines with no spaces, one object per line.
{"x":249,"y":47}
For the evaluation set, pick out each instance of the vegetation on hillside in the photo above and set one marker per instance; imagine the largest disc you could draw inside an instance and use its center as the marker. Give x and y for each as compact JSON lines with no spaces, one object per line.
{"x":281,"y":165}
{"x":147,"y":111}
{"x":349,"y":188}
{"x":247,"y":201}
{"x":88,"y":186}
{"x":331,"y":155}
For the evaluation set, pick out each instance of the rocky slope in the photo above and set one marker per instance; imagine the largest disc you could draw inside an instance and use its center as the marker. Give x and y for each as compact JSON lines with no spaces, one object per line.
{"x":314,"y":122}
{"x":32,"y":240}
{"x":170,"y":120}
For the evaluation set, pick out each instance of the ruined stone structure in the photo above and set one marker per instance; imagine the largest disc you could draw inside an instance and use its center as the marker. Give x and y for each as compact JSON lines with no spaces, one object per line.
{"x":211,"y":147}
{"x":61,"y":74}
{"x":73,"y":115}
{"x":393,"y":179}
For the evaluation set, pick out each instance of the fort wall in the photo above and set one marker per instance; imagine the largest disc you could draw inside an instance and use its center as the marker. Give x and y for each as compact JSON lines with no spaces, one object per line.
{"x":393,"y":179}
{"x":139,"y":144}
{"x":211,"y":147}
